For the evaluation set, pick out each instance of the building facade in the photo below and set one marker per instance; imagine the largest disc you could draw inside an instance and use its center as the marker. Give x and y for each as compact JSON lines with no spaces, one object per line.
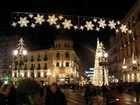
{"x":127,"y":47}
{"x":6,"y":47}
{"x":57,"y":64}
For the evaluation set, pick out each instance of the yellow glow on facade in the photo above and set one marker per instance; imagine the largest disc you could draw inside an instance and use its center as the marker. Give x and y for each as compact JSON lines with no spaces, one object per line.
{"x":28,"y":74}
{"x":35,"y":74}
{"x":128,"y":77}
{"x":132,"y":78}
{"x":42,"y":74}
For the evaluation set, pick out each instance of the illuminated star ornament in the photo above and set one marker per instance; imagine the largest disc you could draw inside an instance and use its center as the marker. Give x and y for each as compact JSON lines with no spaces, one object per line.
{"x":112,"y":24}
{"x":14,"y":24}
{"x":102,"y":23}
{"x":23,"y":22}
{"x":52,"y":19}
{"x":123,"y":28}
{"x":89,"y":25}
{"x":39,"y":19}
{"x":67,"y":24}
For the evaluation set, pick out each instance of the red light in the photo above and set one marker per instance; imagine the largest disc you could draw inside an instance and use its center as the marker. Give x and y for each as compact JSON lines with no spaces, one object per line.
{"x":117,"y":99}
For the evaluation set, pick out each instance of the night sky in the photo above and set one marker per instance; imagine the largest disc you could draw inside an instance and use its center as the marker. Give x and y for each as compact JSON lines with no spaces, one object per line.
{"x":43,"y":37}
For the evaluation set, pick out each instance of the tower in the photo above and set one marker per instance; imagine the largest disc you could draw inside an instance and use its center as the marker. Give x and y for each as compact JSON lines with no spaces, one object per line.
{"x":100,"y":74}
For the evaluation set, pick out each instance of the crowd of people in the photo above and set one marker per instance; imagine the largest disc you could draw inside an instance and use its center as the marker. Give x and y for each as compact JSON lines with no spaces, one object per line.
{"x":49,"y":95}
{"x":52,"y":94}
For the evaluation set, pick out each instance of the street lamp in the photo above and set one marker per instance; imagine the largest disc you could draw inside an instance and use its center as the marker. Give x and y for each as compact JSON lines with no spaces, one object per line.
{"x":103,"y":62}
{"x":19,"y":54}
{"x":49,"y":73}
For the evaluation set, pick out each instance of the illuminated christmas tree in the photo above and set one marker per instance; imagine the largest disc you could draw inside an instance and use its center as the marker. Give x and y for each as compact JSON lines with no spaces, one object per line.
{"x":100,"y":75}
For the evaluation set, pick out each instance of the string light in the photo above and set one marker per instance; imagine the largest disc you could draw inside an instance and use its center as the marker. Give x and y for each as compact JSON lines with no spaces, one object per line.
{"x":67,"y":22}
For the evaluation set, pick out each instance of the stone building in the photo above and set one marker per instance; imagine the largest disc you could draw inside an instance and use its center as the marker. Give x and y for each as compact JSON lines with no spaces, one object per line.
{"x":57,"y":64}
{"x":127,"y":47}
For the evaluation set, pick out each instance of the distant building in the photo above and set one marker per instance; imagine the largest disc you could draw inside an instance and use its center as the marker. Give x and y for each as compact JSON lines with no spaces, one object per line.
{"x":128,"y":45}
{"x":58,"y":64}
{"x":7,"y":44}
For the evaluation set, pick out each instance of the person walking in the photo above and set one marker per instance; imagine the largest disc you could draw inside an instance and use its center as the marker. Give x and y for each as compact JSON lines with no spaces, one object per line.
{"x":54,"y":96}
{"x":4,"y":92}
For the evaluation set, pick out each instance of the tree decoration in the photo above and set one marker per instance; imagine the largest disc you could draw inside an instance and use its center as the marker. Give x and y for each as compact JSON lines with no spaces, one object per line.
{"x":33,"y":20}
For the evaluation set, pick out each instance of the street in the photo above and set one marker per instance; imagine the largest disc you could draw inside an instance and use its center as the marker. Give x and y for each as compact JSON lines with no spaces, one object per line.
{"x":75,"y":98}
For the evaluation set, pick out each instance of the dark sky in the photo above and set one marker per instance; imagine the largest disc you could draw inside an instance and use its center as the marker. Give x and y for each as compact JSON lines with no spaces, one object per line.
{"x":43,"y":36}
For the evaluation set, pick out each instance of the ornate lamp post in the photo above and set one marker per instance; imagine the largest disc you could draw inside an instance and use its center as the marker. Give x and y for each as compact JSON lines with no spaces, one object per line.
{"x":19,"y":54}
{"x":103,"y":61}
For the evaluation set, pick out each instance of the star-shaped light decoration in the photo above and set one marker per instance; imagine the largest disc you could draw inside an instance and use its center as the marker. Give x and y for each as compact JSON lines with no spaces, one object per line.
{"x":117,"y":30}
{"x":52,"y":19}
{"x":95,"y":20}
{"x":14,"y":24}
{"x":57,"y":26}
{"x":75,"y":27}
{"x":67,"y":24}
{"x":60,"y":17}
{"x":30,"y":15}
{"x":118,"y":22}
{"x":89,"y":25}
{"x":102,"y":23}
{"x":112,"y":24}
{"x":33,"y":25}
{"x":23,"y":22}
{"x":81,"y":27}
{"x":129,"y":31}
{"x":97,"y":28}
{"x":123,"y":28}
{"x":39,"y":19}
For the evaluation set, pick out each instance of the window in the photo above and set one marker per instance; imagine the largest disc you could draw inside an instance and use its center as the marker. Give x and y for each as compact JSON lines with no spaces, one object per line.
{"x":25,"y":67}
{"x":67,"y":64}
{"x":32,"y":66}
{"x":38,"y":67}
{"x":38,"y":74}
{"x":58,"y":55}
{"x":38,"y":58}
{"x":25,"y":58}
{"x":15,"y":74}
{"x":65,"y":45}
{"x":25,"y":75}
{"x":45,"y":58}
{"x":67,"y":55}
{"x":57,"y":64}
{"x":45,"y":66}
{"x":32,"y":58}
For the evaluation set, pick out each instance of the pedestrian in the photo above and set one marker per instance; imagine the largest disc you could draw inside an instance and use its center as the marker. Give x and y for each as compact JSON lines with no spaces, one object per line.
{"x":54,"y":96}
{"x":88,"y":93}
{"x":12,"y":94}
{"x":4,"y":92}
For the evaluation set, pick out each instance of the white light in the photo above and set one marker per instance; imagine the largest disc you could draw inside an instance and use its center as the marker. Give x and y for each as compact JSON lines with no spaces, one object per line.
{"x":42,"y":74}
{"x":99,"y":54}
{"x":134,"y":61}
{"x":28,"y":74}
{"x":15,"y":52}
{"x":35,"y":75}
{"x":23,"y":22}
{"x":67,"y":24}
{"x":49,"y":72}
{"x":105,"y":55}
{"x":24,"y":52}
{"x":124,"y":67}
